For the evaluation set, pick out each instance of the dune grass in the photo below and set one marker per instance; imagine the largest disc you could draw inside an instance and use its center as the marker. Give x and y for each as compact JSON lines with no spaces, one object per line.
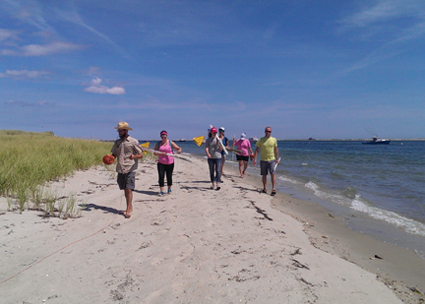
{"x":29,"y":159}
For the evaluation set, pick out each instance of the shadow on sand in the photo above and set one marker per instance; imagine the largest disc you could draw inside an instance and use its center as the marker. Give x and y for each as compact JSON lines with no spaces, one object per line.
{"x":147,"y":192}
{"x":90,"y":207}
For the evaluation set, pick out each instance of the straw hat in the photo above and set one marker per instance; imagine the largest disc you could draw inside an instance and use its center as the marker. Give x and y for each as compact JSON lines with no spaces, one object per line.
{"x":123,"y":125}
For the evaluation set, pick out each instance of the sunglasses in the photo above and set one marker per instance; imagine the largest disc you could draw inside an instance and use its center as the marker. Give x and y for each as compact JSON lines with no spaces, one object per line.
{"x":268,"y":131}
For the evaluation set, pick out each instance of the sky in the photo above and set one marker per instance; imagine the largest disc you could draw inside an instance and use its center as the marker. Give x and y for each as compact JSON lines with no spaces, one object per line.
{"x":323,"y":69}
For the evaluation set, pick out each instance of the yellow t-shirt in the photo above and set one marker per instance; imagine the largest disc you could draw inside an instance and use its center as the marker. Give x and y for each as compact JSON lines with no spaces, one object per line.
{"x":267,"y":146}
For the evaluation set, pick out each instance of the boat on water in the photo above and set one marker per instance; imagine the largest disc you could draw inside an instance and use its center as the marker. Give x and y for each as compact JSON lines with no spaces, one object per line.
{"x":377,"y":141}
{"x":254,"y":139}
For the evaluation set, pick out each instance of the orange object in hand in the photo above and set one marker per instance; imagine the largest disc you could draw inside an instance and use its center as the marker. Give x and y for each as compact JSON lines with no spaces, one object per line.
{"x":108,"y":159}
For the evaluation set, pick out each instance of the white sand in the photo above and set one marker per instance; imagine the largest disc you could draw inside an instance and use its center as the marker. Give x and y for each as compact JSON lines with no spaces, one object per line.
{"x":196,"y":245}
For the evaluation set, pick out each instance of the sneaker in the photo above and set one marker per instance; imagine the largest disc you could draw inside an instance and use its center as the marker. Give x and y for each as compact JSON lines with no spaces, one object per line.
{"x":169,"y":191}
{"x":218,"y":188}
{"x":161,"y":193}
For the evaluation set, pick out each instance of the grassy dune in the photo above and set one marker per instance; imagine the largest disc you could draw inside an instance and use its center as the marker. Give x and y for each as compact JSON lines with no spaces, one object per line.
{"x":28,"y":160}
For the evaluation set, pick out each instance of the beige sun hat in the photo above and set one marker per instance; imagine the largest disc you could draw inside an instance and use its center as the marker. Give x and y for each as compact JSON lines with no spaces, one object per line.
{"x":123,"y":125}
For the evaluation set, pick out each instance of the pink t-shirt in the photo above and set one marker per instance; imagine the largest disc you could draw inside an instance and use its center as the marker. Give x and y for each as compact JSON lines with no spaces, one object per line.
{"x":243,"y":145}
{"x":165,"y":159}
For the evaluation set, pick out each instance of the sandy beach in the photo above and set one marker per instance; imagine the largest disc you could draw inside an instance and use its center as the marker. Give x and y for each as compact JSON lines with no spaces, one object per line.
{"x":196,"y":245}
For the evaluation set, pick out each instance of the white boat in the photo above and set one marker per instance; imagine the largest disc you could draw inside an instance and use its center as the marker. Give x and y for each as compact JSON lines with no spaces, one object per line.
{"x":377,"y":141}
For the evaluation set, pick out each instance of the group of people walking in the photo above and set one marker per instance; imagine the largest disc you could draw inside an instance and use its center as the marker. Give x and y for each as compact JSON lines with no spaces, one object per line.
{"x":215,"y":148}
{"x":127,"y":151}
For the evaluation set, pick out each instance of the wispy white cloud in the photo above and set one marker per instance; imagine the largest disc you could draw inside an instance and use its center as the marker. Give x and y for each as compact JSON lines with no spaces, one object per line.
{"x":28,"y":12}
{"x":39,"y":17}
{"x":28,"y":104}
{"x":377,"y":22}
{"x":379,"y":17}
{"x":96,"y":81}
{"x":372,"y":58}
{"x":93,"y":71}
{"x":379,"y":12}
{"x":48,"y":49}
{"x":41,"y":50}
{"x":71,"y":15}
{"x":97,"y":88}
{"x":6,"y":34}
{"x":23,"y":74}
{"x":8,"y":53}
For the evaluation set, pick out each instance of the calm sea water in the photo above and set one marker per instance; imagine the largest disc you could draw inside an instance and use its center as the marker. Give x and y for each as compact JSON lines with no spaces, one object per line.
{"x":379,"y":190}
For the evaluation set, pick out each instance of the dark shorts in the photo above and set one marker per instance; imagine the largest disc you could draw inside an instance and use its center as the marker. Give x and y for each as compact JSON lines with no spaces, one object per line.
{"x":267,"y":166}
{"x":127,"y":180}
{"x":240,"y":157}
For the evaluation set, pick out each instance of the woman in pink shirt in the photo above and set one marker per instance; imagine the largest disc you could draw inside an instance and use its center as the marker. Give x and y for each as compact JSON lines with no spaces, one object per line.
{"x":244,"y":145}
{"x":165,"y":161}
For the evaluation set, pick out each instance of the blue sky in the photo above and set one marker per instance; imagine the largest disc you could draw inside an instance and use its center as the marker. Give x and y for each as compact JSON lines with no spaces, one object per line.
{"x":322,"y":69}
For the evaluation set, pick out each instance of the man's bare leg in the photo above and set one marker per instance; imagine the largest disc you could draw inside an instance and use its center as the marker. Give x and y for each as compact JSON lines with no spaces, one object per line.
{"x":273,"y":178}
{"x":264,"y":177}
{"x":129,"y":198}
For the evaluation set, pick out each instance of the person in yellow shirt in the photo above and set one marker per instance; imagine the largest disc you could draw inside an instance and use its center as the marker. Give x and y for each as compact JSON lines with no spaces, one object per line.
{"x":269,"y":158}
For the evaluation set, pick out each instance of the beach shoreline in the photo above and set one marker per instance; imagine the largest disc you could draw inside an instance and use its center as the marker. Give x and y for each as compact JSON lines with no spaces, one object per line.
{"x":395,"y":266}
{"x":196,"y":245}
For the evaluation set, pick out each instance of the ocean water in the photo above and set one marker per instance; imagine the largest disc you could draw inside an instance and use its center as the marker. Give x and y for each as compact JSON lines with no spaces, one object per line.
{"x":378,"y":189}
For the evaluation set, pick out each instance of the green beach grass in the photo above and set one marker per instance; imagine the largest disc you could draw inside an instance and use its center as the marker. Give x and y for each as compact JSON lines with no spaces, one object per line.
{"x":28,"y":160}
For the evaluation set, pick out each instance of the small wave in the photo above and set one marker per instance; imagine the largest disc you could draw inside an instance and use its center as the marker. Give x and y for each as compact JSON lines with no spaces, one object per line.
{"x":339,"y":199}
{"x":408,"y":225}
{"x":350,"y":192}
{"x":420,"y":253}
{"x":312,"y":186}
{"x":287,"y":179}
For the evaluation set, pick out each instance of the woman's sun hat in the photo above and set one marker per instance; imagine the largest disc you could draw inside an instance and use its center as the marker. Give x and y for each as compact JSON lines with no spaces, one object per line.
{"x":243,"y":135}
{"x":123,"y":126}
